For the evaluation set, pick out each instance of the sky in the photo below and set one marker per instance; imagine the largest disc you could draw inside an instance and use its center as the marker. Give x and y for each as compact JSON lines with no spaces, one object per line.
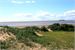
{"x":36,"y":10}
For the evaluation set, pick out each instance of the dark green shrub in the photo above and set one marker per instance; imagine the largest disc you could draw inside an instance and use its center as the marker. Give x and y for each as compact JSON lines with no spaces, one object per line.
{"x":43,"y":28}
{"x":55,"y":27}
{"x":67,"y":27}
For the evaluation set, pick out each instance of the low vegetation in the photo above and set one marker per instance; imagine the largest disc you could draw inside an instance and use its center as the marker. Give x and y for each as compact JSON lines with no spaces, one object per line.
{"x":60,"y":36}
{"x":57,"y":39}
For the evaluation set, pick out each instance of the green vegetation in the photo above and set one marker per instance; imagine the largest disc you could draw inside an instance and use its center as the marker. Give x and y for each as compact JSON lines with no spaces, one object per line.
{"x":61,"y":27}
{"x":57,"y":39}
{"x":61,"y":37}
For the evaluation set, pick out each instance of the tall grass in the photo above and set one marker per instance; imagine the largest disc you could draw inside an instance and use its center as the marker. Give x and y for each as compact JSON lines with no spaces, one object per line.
{"x":57,"y":39}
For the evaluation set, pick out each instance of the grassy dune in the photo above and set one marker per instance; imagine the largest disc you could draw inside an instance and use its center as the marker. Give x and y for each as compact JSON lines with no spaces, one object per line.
{"x":26,"y":37}
{"x":58,"y":39}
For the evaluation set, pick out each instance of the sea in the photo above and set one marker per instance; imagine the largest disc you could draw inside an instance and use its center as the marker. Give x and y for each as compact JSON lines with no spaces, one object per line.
{"x":36,"y":23}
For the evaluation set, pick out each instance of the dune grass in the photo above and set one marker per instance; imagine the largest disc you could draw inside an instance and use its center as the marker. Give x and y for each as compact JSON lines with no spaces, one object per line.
{"x":57,"y":39}
{"x":51,"y":40}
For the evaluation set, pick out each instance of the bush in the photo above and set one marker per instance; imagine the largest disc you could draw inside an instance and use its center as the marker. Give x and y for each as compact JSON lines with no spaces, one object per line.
{"x":61,"y":27}
{"x":67,"y":27}
{"x":55,"y":27}
{"x":43,"y":28}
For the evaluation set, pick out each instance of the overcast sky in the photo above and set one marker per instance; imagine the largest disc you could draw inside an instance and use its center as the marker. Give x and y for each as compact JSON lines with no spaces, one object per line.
{"x":36,"y":10}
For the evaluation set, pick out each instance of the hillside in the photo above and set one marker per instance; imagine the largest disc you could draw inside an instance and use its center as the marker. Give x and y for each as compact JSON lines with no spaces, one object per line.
{"x":34,"y":38}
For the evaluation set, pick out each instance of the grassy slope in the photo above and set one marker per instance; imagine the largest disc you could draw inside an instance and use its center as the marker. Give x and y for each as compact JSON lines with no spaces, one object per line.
{"x":57,"y":39}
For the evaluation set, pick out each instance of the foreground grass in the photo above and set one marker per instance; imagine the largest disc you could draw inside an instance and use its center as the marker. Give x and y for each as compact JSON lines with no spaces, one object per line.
{"x":58,"y":39}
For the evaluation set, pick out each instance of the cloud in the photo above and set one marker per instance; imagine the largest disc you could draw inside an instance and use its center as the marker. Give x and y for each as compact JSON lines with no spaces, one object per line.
{"x":33,"y":1}
{"x":40,"y":16}
{"x":17,"y":2}
{"x":23,"y":15}
{"x":69,"y":13}
{"x":30,"y":1}
{"x":44,"y":15}
{"x":27,"y":16}
{"x":22,"y":1}
{"x":27,"y":1}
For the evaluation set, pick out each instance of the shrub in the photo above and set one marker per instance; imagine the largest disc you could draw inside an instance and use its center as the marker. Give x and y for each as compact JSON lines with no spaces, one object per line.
{"x":55,"y":27}
{"x":61,"y":27}
{"x":43,"y":28}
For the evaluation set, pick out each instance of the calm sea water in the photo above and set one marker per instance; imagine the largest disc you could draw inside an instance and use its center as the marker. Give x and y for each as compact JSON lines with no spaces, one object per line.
{"x":35,"y":23}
